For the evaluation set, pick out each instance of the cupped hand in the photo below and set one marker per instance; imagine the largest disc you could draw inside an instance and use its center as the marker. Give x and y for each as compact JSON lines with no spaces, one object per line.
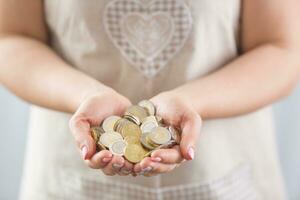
{"x":92,"y":111}
{"x":178,"y":112}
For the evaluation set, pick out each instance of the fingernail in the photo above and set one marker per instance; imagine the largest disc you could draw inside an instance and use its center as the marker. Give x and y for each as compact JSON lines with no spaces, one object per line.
{"x":110,"y":155}
{"x":156,"y":159}
{"x":84,"y":152}
{"x":125,"y":171}
{"x":191,"y":153}
{"x":116,"y":166}
{"x":105,"y":160}
{"x":146,"y":170}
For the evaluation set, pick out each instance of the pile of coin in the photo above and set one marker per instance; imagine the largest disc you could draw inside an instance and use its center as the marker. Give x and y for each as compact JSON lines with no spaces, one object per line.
{"x":136,"y":134}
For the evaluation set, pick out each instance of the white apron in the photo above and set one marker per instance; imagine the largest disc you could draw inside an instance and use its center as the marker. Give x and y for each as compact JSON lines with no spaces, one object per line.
{"x":140,"y":48}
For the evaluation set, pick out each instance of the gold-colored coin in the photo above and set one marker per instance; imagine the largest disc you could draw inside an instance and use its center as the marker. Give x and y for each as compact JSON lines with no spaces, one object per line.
{"x":137,"y":134}
{"x":132,"y":118}
{"x":149,"y":153}
{"x":96,"y":132}
{"x":150,"y":142}
{"x":149,"y":118}
{"x":130,"y":129}
{"x":108,"y":138}
{"x":148,"y":105}
{"x":137,"y":112}
{"x":134,"y":153}
{"x":145,"y":141}
{"x":160,"y":135}
{"x":130,"y":139}
{"x":118,"y":147}
{"x":109,"y":123}
{"x":100,"y":146}
{"x":120,"y":124}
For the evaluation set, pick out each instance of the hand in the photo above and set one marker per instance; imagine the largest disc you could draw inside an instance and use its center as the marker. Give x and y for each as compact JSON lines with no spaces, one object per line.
{"x":92,"y":111}
{"x":178,"y":112}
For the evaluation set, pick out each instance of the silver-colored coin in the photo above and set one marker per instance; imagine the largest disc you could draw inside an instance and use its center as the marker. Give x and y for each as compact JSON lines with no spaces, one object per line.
{"x":167,"y":145}
{"x":109,"y":123}
{"x":148,"y":105}
{"x":118,"y":147}
{"x":108,"y":138}
{"x":160,"y":135}
{"x":144,"y":141}
{"x":149,"y":123}
{"x":132,"y":118}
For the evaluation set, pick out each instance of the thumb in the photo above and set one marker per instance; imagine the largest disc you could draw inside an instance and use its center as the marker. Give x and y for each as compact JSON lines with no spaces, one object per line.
{"x":191,"y":127}
{"x":80,"y":128}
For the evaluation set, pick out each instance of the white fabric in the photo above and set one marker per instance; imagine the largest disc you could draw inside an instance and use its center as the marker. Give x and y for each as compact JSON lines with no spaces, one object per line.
{"x":235,"y":158}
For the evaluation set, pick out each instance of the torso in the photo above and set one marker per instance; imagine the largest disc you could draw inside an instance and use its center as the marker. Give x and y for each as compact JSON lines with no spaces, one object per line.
{"x":140,"y":48}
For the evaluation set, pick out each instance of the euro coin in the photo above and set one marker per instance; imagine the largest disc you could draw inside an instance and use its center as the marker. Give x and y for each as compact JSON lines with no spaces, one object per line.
{"x":150,"y":142}
{"x":174,"y":134}
{"x":130,"y":139}
{"x":132,"y":118}
{"x":167,"y":145}
{"x":118,"y":148}
{"x":149,"y":153}
{"x":149,"y":123}
{"x":130,"y":129}
{"x":134,"y":153}
{"x":108,"y":138}
{"x":148,"y":105}
{"x":100,"y":146}
{"x":160,"y":135}
{"x":137,"y":112}
{"x":145,"y":141}
{"x":136,"y":134}
{"x":120,"y":124}
{"x":109,"y":123}
{"x":96,"y":132}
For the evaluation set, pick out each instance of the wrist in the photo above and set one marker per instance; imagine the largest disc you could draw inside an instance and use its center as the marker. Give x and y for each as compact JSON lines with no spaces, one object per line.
{"x":96,"y":90}
{"x":92,"y":89}
{"x":191,"y":98}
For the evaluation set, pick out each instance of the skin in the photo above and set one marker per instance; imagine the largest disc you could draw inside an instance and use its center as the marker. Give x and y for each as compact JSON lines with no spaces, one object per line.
{"x":267,"y":71}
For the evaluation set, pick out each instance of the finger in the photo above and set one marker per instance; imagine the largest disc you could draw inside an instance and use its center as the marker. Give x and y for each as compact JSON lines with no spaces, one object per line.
{"x":152,"y":168}
{"x":137,"y":168}
{"x":114,"y":165}
{"x":126,"y":169}
{"x":190,"y":126}
{"x":145,"y":166}
{"x":160,"y":168}
{"x":100,"y":159}
{"x":80,"y":127}
{"x":167,"y":156}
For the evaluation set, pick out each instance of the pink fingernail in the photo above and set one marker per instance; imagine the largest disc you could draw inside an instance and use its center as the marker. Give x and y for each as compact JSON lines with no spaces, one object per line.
{"x":191,"y":153}
{"x":106,"y":160}
{"x":156,"y":159}
{"x":84,"y":151}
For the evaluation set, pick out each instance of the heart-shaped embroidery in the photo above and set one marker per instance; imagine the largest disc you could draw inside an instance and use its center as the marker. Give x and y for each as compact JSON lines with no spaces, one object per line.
{"x":148,"y":36}
{"x":148,"y":33}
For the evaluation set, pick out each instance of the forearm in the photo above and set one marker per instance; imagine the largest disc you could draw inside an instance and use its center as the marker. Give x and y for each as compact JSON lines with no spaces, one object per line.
{"x":250,"y":82}
{"x":35,"y":73}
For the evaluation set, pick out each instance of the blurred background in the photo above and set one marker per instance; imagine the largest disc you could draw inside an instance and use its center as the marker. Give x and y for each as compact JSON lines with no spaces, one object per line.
{"x":13,"y":130}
